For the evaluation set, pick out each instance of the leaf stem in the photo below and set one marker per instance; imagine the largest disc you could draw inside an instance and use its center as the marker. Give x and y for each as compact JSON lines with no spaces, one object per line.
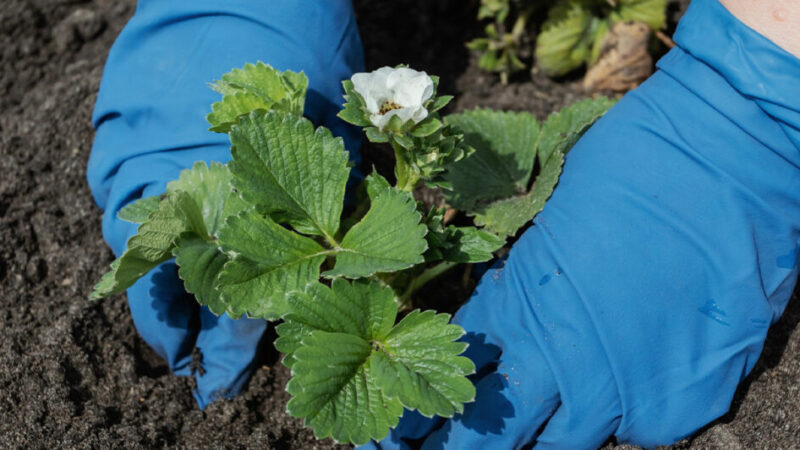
{"x":407,"y":177}
{"x":331,"y":241}
{"x":421,"y":280}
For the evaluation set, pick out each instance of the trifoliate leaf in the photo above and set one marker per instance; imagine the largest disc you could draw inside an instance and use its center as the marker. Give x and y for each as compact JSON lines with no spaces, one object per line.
{"x":211,"y":189}
{"x":199,"y":263}
{"x":418,"y":363}
{"x":566,"y":38}
{"x":505,"y":147}
{"x":196,"y":203}
{"x":334,"y":392}
{"x":257,"y":87}
{"x":651,"y":12}
{"x":153,"y":243}
{"x":390,"y":237}
{"x":289,"y":170}
{"x":563,"y":128}
{"x":269,"y":261}
{"x":492,"y":184}
{"x":138,"y":210}
{"x":337,"y":338}
{"x":327,"y":340}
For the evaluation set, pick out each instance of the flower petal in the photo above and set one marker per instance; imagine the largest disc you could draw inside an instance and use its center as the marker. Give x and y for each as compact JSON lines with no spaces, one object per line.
{"x":406,"y":87}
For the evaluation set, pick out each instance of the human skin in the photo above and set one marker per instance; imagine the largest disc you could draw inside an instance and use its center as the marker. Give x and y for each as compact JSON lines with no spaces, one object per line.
{"x":777,"y":20}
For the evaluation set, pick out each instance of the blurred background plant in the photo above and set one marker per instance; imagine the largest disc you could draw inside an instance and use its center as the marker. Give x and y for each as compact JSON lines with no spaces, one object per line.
{"x":571,"y":33}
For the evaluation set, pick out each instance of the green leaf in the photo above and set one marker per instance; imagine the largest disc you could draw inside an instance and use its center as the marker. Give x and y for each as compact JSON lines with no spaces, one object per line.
{"x":269,"y":261}
{"x":458,"y":244}
{"x":361,"y":308}
{"x":390,"y":237}
{"x":295,"y":85}
{"x":403,"y":140}
{"x":291,"y":171}
{"x":354,"y":111}
{"x":257,"y":87}
{"x":566,"y":38}
{"x":225,"y":112}
{"x":418,"y":363}
{"x":138,"y":210}
{"x":199,"y":263}
{"x":259,"y":79}
{"x":376,"y":135}
{"x":346,"y":357}
{"x":327,"y":340}
{"x":439,"y":103}
{"x":480,"y":44}
{"x":505,"y":147}
{"x":492,"y":183}
{"x":376,"y":184}
{"x":427,"y":127}
{"x":470,"y":245}
{"x":490,"y":61}
{"x":212,"y":191}
{"x":108,"y":283}
{"x":153,"y":243}
{"x":334,"y":391}
{"x":505,"y":217}
{"x":195,"y":206}
{"x":562,"y":129}
{"x":651,"y":12}
{"x":600,"y":34}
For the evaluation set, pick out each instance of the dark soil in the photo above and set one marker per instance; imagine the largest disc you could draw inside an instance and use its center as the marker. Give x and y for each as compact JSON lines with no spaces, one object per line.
{"x":75,"y":373}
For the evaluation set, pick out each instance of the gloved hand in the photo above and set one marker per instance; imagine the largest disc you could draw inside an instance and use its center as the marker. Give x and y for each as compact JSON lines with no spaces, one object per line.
{"x":150,"y":121}
{"x":642,"y":295}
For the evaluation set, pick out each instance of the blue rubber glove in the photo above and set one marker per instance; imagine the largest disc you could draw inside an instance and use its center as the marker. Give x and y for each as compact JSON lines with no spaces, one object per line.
{"x":642,"y":295}
{"x":150,"y":121}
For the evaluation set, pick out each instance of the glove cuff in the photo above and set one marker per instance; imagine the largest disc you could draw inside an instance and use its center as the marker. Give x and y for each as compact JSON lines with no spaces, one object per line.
{"x":755,"y":66}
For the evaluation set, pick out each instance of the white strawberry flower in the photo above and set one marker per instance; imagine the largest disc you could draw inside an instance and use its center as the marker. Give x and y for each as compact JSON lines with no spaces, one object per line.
{"x":389,"y":92}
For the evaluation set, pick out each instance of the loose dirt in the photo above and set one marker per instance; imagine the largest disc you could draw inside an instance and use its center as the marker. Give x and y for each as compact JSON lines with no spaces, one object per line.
{"x":75,"y":373}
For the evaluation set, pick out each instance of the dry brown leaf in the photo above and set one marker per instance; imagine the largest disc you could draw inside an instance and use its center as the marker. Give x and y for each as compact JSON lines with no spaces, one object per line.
{"x":624,"y":61}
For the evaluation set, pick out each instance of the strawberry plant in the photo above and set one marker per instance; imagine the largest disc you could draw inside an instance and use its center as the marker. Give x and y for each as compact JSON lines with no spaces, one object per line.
{"x":265,"y":235}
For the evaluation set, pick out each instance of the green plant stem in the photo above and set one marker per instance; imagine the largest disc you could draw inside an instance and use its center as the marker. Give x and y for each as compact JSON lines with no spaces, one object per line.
{"x":421,"y":280}
{"x":331,"y":241}
{"x":407,"y":177}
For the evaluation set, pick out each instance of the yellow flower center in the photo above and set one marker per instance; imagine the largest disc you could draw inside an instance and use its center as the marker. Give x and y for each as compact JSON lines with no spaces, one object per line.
{"x":387,"y":106}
